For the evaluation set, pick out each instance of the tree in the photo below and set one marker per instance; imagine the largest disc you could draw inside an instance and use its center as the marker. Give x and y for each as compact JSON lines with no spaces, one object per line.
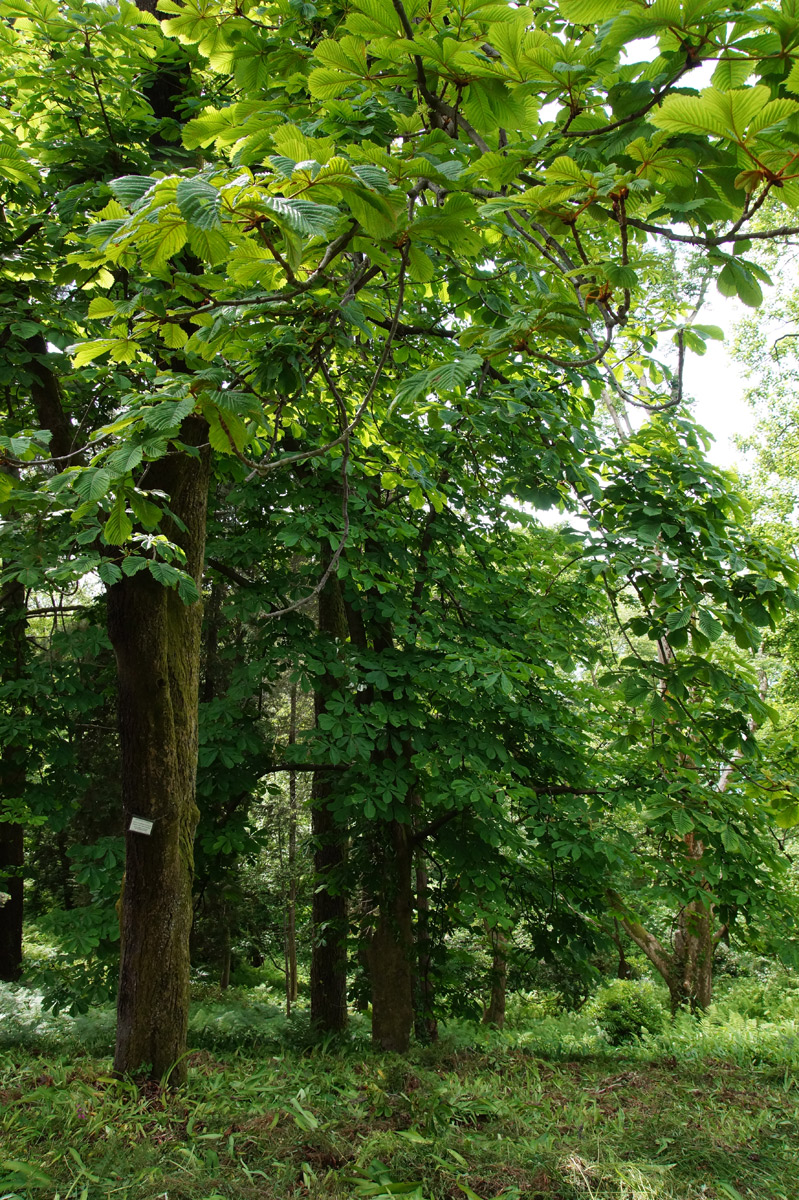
{"x":389,"y":219}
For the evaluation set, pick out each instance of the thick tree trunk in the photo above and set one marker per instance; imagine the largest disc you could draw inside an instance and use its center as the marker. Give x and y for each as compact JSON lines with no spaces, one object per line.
{"x":13,"y":776}
{"x":391,"y":947}
{"x":691,"y":982}
{"x":425,"y":1024}
{"x":329,"y":905}
{"x":687,"y":971}
{"x":156,"y":639}
{"x":495,"y":1013}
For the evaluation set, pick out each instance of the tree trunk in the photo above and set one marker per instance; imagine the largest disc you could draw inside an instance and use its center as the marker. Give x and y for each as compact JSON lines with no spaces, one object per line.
{"x":291,"y":910}
{"x":495,"y":1013}
{"x":227,"y":955}
{"x":329,"y":905}
{"x":691,"y":983}
{"x":11,"y":861}
{"x":425,"y":1024}
{"x":156,"y":639}
{"x":688,"y":970}
{"x":13,"y":777}
{"x":391,"y":947}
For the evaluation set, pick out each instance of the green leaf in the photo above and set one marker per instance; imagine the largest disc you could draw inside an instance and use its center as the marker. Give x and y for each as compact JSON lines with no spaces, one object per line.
{"x":109,"y":572}
{"x":199,"y":203}
{"x":168,"y":414}
{"x":301,"y":216}
{"x":147,"y":513}
{"x":125,"y":458}
{"x":132,"y":564}
{"x":722,"y":114}
{"x":130,"y":188}
{"x":88,"y":351}
{"x":101,"y":306}
{"x":118,"y":527}
{"x":681,"y":822}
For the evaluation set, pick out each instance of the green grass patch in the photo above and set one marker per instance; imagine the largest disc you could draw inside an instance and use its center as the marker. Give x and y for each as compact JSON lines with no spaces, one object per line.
{"x":703,"y":1111}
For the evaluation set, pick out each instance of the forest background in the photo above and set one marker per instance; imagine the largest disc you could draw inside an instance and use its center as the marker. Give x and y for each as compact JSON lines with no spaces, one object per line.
{"x":309,"y":314}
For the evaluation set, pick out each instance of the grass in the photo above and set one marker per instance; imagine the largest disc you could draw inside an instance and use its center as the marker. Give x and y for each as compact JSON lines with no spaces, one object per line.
{"x":544,"y":1112}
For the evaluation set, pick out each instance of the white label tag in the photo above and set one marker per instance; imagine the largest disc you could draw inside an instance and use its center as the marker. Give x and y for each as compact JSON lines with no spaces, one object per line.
{"x":140,"y":825}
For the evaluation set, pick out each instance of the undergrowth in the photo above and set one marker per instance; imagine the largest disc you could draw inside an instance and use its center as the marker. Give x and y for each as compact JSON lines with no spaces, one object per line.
{"x":547,"y":1110}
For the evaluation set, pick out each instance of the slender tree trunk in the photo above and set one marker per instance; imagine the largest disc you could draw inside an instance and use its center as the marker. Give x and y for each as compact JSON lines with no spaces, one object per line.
{"x":495,"y":1013}
{"x":425,"y":1024}
{"x":291,"y":911}
{"x":156,"y":639}
{"x":11,"y":862}
{"x":329,"y":905}
{"x":13,"y":777}
{"x":46,"y":397}
{"x":391,"y":947}
{"x":227,"y":954}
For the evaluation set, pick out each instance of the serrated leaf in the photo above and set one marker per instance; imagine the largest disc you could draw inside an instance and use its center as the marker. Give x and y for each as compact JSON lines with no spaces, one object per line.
{"x":118,"y":527}
{"x":681,"y":822}
{"x":109,"y":572}
{"x":147,"y":513}
{"x":89,"y":351}
{"x":132,"y":564}
{"x":125,"y":458}
{"x":708,"y":624}
{"x":200,"y":203}
{"x":302,"y":216}
{"x":101,"y":306}
{"x":174,"y":336}
{"x":130,"y":188}
{"x":168,"y":414}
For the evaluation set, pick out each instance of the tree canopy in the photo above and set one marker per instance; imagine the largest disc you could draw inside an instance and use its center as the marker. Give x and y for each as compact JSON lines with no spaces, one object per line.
{"x":313,"y":309}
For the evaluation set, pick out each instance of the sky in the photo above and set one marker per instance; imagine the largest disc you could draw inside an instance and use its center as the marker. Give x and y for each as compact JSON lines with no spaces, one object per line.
{"x":718,"y":384}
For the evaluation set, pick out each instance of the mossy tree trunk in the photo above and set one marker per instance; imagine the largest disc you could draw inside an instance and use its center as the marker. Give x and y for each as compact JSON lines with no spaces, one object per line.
{"x":156,"y":639}
{"x":687,"y":968}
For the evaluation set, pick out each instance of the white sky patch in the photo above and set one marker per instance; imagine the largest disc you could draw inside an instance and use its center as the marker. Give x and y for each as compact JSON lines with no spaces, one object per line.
{"x":718,"y":384}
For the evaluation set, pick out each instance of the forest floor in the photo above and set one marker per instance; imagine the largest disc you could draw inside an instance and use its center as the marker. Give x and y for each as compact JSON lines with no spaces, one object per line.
{"x":545,"y":1113}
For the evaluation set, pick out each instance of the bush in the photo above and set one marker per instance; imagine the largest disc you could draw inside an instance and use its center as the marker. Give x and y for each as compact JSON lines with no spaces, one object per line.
{"x":525,"y":1007}
{"x":626,"y":1009}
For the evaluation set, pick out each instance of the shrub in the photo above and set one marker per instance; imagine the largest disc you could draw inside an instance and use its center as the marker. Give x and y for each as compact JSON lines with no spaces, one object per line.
{"x":625,"y":1009}
{"x":525,"y":1007}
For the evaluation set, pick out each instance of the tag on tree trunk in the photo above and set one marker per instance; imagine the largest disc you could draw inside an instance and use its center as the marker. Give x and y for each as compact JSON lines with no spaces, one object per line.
{"x":140,"y":825}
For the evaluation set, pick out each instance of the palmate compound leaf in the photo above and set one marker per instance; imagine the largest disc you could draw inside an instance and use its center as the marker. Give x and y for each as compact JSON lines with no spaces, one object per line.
{"x":731,"y":114}
{"x":170,"y":576}
{"x":441,"y":378}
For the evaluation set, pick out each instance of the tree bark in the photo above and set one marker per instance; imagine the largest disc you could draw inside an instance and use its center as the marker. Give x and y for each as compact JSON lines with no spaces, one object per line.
{"x":495,"y":1013}
{"x":329,"y":905}
{"x":391,"y":947}
{"x":687,"y":971}
{"x":291,"y":908}
{"x":425,"y":1024}
{"x":13,"y":775}
{"x":156,"y":639}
